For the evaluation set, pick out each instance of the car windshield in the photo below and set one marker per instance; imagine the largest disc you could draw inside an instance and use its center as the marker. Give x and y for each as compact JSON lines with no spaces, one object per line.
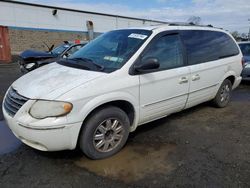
{"x":245,"y":48}
{"x":60,"y":49}
{"x":109,"y":51}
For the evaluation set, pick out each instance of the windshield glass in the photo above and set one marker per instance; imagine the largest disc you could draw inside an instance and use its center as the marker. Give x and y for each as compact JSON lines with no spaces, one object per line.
{"x":245,"y":48}
{"x":60,"y":49}
{"x":110,"y":50}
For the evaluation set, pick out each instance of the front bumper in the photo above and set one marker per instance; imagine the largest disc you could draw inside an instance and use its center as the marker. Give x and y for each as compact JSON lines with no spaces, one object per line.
{"x":49,"y":138}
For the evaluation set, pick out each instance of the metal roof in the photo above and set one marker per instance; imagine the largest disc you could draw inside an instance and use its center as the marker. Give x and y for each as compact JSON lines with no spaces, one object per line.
{"x":80,"y":11}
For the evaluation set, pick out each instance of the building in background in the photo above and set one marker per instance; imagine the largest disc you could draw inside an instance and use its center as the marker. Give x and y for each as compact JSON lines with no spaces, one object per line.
{"x":33,"y":25}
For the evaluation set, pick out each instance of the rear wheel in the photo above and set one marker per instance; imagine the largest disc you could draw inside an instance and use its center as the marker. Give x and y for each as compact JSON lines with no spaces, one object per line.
{"x":104,"y":133}
{"x":223,"y":95}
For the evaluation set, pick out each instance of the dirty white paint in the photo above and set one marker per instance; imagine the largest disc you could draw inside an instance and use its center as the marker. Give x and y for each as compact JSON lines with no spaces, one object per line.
{"x":37,"y":17}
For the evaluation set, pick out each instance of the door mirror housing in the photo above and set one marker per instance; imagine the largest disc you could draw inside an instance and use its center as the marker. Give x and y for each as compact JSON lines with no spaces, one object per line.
{"x":147,"y":65}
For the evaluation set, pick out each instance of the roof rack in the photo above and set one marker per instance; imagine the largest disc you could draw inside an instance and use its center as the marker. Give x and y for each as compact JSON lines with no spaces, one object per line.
{"x":186,"y":24}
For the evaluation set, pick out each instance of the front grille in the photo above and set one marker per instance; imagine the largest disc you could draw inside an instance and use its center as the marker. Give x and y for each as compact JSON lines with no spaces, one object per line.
{"x":13,"y":102}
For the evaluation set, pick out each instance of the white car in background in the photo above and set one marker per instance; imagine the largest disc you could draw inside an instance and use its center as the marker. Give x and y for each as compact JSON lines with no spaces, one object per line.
{"x":122,"y":79}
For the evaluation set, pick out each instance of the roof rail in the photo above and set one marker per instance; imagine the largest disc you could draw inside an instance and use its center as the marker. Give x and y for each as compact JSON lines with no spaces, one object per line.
{"x":188,"y":24}
{"x":185,"y":24}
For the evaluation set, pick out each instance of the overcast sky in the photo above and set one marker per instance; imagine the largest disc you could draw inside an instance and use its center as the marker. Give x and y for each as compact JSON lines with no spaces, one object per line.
{"x":229,"y":14}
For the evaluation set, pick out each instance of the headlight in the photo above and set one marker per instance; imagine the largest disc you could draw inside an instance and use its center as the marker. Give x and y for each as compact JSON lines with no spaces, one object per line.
{"x":30,"y":65}
{"x":247,"y":64}
{"x":42,"y":109}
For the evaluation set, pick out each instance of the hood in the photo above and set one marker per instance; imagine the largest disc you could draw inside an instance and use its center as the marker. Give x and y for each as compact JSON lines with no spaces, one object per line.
{"x":32,"y":54}
{"x":53,"y":80}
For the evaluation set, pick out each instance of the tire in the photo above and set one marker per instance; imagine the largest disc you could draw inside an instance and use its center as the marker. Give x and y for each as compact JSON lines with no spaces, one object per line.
{"x":223,"y":95}
{"x":104,"y":133}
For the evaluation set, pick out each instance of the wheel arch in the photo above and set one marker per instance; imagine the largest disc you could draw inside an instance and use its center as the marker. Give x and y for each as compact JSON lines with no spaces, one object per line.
{"x":126,"y":106}
{"x":231,"y":76}
{"x":128,"y":103}
{"x":231,"y":79}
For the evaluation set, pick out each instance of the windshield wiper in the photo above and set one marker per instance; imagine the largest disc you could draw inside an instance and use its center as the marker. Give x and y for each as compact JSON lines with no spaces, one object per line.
{"x":100,"y":67}
{"x":66,"y":63}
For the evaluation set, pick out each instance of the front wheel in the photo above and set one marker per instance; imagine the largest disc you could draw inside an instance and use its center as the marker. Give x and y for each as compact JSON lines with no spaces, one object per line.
{"x":105,"y":133}
{"x":223,"y":95}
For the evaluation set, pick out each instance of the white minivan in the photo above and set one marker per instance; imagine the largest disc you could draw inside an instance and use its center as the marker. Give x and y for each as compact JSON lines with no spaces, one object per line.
{"x":122,"y":79}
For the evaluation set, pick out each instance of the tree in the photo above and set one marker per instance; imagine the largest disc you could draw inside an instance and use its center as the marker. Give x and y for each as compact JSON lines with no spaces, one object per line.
{"x":244,"y":35}
{"x":235,"y":34}
{"x":195,"y":20}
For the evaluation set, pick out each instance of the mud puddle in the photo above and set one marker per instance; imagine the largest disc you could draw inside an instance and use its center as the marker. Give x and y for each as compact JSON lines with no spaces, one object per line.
{"x":8,"y":142}
{"x":133,"y":163}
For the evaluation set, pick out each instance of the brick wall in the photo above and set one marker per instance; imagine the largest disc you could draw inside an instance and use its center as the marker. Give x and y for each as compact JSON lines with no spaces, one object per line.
{"x":21,"y":40}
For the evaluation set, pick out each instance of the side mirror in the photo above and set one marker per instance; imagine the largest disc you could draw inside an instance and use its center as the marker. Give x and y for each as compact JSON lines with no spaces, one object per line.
{"x":147,"y":65}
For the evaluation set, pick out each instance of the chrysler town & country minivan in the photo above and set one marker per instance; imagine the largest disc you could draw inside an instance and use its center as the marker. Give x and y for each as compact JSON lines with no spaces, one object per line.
{"x":122,"y":79}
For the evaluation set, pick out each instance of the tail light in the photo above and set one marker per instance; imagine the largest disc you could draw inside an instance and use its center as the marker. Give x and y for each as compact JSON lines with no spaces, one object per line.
{"x":243,"y":62}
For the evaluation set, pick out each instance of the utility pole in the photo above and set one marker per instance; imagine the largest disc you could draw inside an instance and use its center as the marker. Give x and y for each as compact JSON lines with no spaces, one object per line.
{"x":249,"y":30}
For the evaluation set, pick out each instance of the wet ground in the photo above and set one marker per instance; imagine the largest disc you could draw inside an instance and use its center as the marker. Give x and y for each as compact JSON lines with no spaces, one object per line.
{"x":8,"y":74}
{"x":199,"y":147}
{"x":8,"y":141}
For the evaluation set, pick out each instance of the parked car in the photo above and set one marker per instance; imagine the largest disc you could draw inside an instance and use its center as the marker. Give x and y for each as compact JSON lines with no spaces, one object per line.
{"x":31,"y":59}
{"x":122,"y":79}
{"x":245,"y":49}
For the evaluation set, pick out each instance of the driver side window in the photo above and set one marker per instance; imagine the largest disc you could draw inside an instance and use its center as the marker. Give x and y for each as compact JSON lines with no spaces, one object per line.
{"x":167,"y":50}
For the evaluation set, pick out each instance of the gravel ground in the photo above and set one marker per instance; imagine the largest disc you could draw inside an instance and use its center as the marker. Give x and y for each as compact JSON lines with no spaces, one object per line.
{"x":199,"y":147}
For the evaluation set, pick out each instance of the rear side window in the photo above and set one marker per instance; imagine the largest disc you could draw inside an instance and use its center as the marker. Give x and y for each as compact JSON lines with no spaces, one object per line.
{"x":203,"y":46}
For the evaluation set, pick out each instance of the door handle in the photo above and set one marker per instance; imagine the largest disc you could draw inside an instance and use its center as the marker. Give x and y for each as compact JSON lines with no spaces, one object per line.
{"x":183,"y":80}
{"x":196,"y":77}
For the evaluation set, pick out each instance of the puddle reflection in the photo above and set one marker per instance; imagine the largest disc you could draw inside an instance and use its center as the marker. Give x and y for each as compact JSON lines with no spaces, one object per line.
{"x":133,"y":163}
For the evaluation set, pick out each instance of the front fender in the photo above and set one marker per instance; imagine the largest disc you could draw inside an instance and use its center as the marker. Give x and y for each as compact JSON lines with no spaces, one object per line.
{"x":100,"y":100}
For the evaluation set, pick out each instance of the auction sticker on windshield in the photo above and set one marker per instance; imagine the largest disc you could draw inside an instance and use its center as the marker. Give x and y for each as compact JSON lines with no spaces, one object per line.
{"x":137,"y":36}
{"x":115,"y":59}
